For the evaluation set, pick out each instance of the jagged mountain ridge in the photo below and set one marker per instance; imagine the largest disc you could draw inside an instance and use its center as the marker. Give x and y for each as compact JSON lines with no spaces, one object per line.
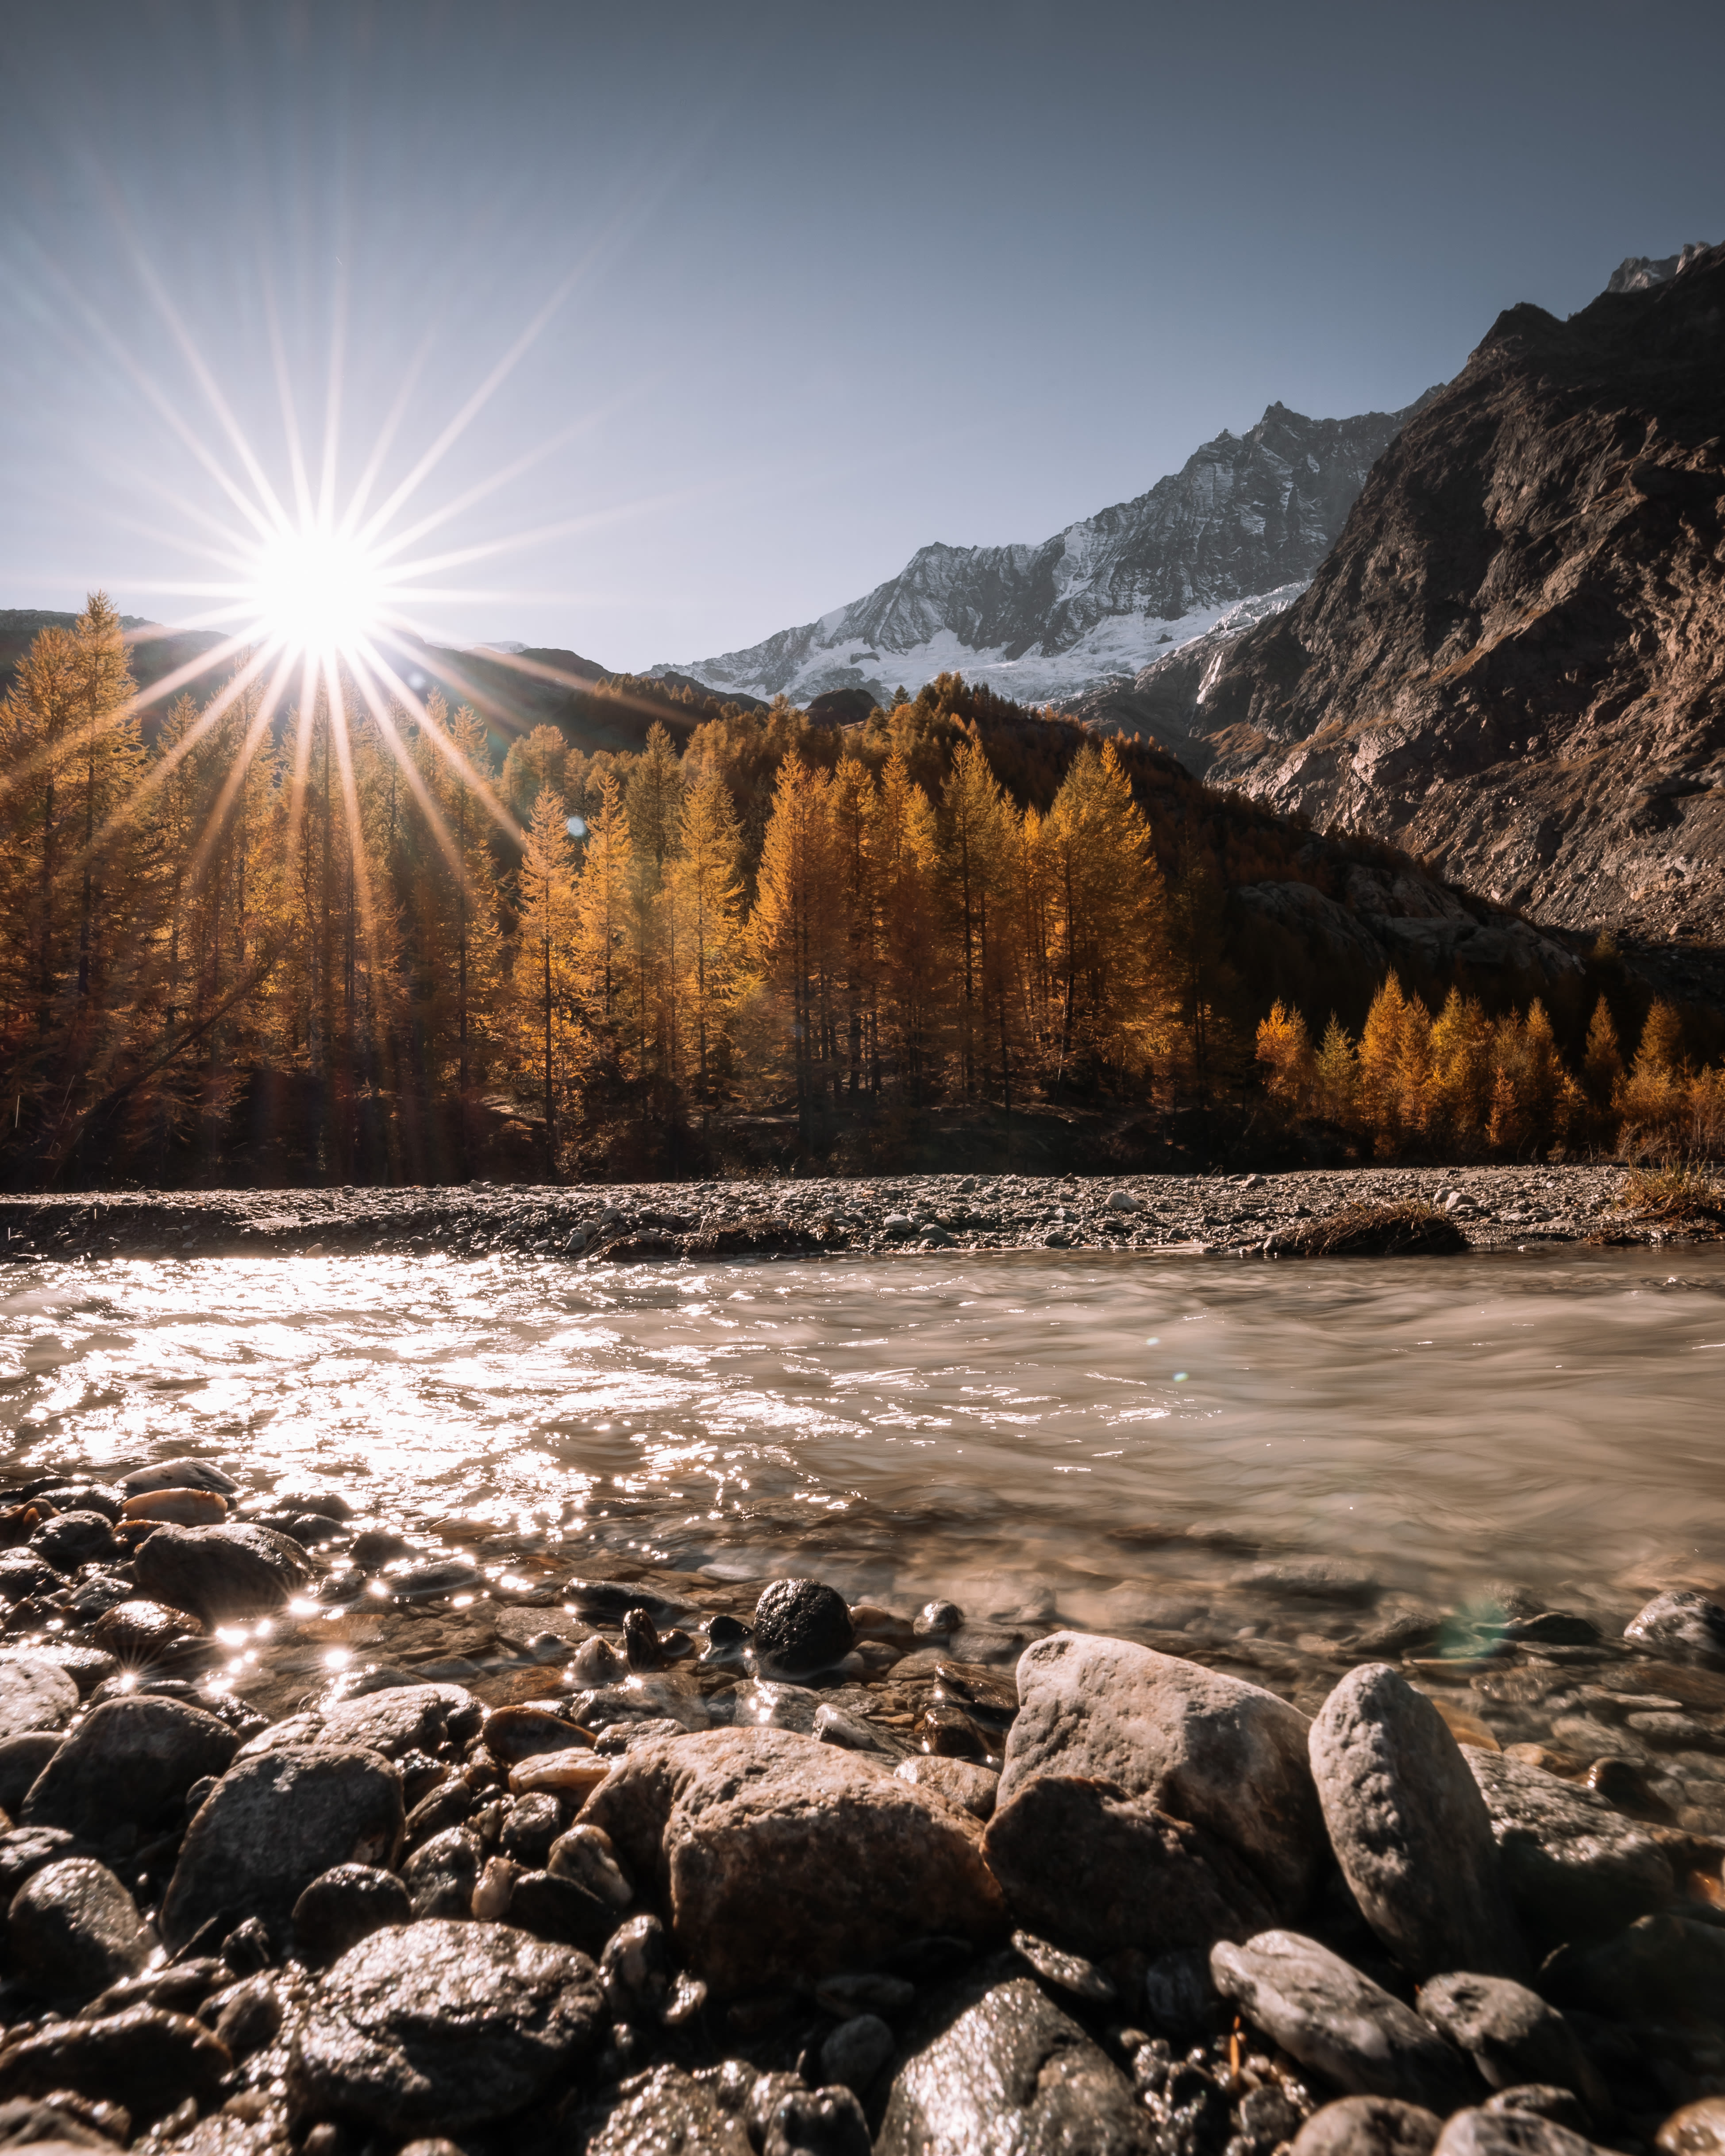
{"x":1237,"y":531}
{"x":1513,"y":663}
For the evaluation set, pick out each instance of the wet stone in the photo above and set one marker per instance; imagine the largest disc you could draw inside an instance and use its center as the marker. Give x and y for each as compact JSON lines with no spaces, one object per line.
{"x":442,"y":2025}
{"x":1697,"y":2129}
{"x":71,"y":1539}
{"x":1338,"y":2023}
{"x":1510,"y":2033}
{"x":275,"y":1823}
{"x":441,"y":1876}
{"x":183,"y":1474}
{"x":147,"y":2059}
{"x":141,"y":1632}
{"x":669,"y":2114}
{"x":221,"y":1573}
{"x":35,"y":1694}
{"x":1410,"y":1828}
{"x":802,"y":1627}
{"x":963,"y":1781}
{"x":21,"y":1760}
{"x":1684,"y":1624}
{"x":564,"y":1910}
{"x":345,"y":1904}
{"x":71,"y":2122}
{"x":855,"y":2051}
{"x":1369,"y":2126}
{"x":1079,"y":1979}
{"x":130,"y":1762}
{"x":1005,"y":2068}
{"x":404,"y":1717}
{"x":73,"y":1930}
{"x":532,"y":1824}
{"x":1562,"y":2105}
{"x":1181,"y":2000}
{"x":24,"y":1574}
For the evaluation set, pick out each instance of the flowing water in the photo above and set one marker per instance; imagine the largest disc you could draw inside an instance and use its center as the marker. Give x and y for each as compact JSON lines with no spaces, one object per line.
{"x":1113,"y":1437}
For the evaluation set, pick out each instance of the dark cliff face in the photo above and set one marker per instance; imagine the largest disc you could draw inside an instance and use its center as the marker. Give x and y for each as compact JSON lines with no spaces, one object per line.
{"x":1513,"y":659}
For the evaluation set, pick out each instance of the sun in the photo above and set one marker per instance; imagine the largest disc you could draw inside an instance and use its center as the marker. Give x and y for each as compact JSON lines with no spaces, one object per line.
{"x":317,"y":590}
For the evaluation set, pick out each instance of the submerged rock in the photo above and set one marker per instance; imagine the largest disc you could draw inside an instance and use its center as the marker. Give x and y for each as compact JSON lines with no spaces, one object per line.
{"x":1224,"y":1755}
{"x":774,"y":1858}
{"x":1005,"y":2069}
{"x":442,"y":2025}
{"x":1684,"y":1624}
{"x":1410,"y":1828}
{"x":1341,"y":2025}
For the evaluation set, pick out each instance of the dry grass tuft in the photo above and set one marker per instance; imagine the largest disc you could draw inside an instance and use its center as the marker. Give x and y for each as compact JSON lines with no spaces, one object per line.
{"x":1410,"y":1229}
{"x":1674,"y":1196}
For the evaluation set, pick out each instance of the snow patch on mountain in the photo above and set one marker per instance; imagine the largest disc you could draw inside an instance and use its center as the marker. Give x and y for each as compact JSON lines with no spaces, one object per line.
{"x":1232,"y":536}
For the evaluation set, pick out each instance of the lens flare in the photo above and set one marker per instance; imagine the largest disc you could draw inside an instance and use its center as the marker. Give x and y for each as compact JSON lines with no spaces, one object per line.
{"x":317,"y":590}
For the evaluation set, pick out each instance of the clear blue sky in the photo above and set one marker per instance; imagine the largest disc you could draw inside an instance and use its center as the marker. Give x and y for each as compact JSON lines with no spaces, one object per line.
{"x":835,"y":282}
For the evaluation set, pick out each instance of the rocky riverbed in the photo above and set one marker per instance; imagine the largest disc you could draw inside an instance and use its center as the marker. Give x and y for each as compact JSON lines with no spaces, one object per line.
{"x":325,"y":1833}
{"x":1237,"y":1215}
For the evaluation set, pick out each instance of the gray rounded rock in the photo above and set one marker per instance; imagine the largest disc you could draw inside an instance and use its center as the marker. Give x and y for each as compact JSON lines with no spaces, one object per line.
{"x":406,"y":1717}
{"x":129,"y":1763}
{"x":73,"y":1930}
{"x":442,"y":2025}
{"x":1685,"y":1625}
{"x":21,"y":1760}
{"x":802,"y":1626}
{"x":345,"y":1904}
{"x":1369,"y":2126}
{"x":35,"y":1694}
{"x":1327,"y":2016}
{"x":1509,"y":2032}
{"x":70,"y":1539}
{"x":1509,"y":2133}
{"x":1410,"y":1828}
{"x":441,"y":1875}
{"x":234,"y":1570}
{"x":1227,"y":1756}
{"x":272,"y":1826}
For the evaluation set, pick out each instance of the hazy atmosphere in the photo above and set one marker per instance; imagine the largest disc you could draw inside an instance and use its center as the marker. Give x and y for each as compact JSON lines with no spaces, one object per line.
{"x":788,"y":293}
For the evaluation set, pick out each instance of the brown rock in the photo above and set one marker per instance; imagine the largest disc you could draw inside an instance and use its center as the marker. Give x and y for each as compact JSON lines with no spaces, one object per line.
{"x":1698,"y":2129}
{"x":778,"y":1859}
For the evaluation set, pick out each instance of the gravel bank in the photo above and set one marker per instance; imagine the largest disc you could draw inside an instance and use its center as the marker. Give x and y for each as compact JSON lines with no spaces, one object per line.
{"x":323,"y":1833}
{"x":1495,"y":1208}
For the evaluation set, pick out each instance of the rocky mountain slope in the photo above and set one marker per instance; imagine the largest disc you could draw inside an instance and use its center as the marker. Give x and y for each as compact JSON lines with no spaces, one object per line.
{"x":1513,"y":661}
{"x":1232,"y":535}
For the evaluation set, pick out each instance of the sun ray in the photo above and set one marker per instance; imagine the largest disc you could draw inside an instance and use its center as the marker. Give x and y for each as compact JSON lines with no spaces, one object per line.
{"x":473,"y":780}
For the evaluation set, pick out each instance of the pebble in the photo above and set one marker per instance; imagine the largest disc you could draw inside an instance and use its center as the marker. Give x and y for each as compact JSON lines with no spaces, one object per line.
{"x":1485,"y":2133}
{"x":1696,"y":2129}
{"x":853,"y":2055}
{"x":1369,"y":2126}
{"x":35,"y":1694}
{"x":129,"y":1761}
{"x":222,"y":1573}
{"x":1510,"y":2033}
{"x":147,"y":2059}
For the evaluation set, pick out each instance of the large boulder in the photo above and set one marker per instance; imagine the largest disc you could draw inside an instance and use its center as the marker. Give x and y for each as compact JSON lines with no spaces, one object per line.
{"x":1006,"y":2070}
{"x":1574,"y":1865}
{"x":273,"y":1825}
{"x":440,"y":2025}
{"x":776,"y":1859}
{"x":129,"y":1763}
{"x":1094,"y":1869}
{"x":1341,"y":2025}
{"x":1224,"y":1755}
{"x":1410,"y":1828}
{"x":222,"y":1573}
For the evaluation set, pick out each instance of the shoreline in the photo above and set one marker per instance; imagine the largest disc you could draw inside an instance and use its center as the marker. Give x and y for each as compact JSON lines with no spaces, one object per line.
{"x":1496,"y":1208}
